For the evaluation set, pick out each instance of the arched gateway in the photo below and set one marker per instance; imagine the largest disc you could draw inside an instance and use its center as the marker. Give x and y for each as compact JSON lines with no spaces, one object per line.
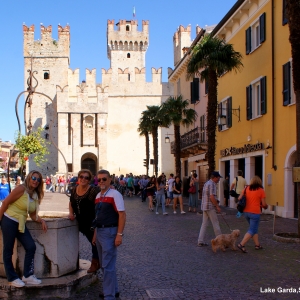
{"x":89,"y":161}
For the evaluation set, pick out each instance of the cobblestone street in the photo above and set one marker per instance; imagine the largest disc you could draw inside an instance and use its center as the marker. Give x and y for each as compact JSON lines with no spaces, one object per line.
{"x":159,"y":258}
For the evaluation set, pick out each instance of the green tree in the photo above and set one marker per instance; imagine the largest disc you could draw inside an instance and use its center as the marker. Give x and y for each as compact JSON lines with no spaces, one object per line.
{"x":293,"y":16}
{"x":154,"y":120}
{"x":176,"y":112}
{"x":33,"y":146}
{"x":211,"y":58}
{"x":143,"y":129}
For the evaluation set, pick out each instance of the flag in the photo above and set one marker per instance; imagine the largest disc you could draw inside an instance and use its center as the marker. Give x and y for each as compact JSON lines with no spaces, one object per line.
{"x":133,"y":12}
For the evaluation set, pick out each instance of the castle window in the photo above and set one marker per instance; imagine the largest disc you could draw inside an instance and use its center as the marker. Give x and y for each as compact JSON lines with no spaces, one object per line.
{"x":47,"y":75}
{"x":128,"y":55}
{"x":128,"y":77}
{"x":127,"y":28}
{"x":89,"y":122}
{"x":47,"y":136}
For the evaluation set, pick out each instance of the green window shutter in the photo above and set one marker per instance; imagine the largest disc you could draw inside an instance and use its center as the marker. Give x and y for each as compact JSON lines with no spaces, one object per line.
{"x":248,"y":40}
{"x":229,"y":112}
{"x":249,"y":102}
{"x":206,"y":86}
{"x":286,"y":76}
{"x":263,"y":95}
{"x":192,"y":92}
{"x":284,"y":17}
{"x":262,"y":27}
{"x":220,"y":114}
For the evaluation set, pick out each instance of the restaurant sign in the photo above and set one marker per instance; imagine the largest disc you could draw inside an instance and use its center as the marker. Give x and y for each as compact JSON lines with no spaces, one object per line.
{"x":246,"y":149}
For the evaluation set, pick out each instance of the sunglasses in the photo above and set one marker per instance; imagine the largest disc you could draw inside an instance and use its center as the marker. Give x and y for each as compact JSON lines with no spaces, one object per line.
{"x":36,"y":179}
{"x":84,"y":177}
{"x":102,"y":179}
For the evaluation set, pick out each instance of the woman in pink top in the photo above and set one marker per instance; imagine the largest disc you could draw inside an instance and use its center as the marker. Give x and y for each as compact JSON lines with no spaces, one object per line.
{"x":255,"y":200}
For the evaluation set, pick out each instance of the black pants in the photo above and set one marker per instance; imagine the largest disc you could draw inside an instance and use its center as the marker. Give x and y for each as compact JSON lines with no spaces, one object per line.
{"x":89,"y":235}
{"x":144,"y":195}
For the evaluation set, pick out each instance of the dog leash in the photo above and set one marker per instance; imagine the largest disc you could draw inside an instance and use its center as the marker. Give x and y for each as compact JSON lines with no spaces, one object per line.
{"x":225,"y":221}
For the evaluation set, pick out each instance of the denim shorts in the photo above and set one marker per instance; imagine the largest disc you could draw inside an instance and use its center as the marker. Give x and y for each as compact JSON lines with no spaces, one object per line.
{"x":253,"y":220}
{"x":170,"y":195}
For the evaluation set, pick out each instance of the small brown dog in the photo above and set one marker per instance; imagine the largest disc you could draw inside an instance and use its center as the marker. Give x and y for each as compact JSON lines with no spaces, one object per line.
{"x":223,"y":241}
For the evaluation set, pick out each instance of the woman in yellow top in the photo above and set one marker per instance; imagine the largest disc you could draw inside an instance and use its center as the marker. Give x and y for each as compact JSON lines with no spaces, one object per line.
{"x":23,"y":200}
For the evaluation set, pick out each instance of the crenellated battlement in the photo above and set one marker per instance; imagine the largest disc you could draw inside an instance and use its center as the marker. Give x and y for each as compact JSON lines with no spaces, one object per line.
{"x":46,"y":46}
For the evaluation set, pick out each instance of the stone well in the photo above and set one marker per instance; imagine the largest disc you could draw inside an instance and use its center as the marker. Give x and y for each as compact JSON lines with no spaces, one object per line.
{"x":56,"y":250}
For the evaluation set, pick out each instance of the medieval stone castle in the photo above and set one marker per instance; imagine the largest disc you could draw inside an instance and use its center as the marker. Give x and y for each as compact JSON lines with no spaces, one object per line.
{"x":94,"y":125}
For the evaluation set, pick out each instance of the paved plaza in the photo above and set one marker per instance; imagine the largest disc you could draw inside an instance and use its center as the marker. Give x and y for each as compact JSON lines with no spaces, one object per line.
{"x":159,"y":258}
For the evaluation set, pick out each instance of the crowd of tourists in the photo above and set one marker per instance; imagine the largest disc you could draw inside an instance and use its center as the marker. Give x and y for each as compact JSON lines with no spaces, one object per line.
{"x":97,"y":203}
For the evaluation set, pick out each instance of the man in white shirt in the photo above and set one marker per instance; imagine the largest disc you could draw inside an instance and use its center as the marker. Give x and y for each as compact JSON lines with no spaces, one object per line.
{"x":170,"y":189}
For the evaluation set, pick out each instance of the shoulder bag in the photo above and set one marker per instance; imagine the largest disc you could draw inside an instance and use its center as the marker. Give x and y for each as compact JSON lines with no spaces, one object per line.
{"x":242,"y":202}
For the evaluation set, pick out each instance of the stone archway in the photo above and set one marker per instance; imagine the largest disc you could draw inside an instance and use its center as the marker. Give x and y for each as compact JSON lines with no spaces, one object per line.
{"x":89,"y":161}
{"x":288,"y":211}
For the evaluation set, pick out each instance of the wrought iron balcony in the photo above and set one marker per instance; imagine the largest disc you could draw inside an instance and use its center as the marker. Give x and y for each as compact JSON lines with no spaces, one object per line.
{"x":192,"y":142}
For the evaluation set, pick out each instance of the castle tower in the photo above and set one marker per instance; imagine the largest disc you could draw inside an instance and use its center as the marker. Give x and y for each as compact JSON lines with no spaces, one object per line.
{"x":126,"y":47}
{"x":181,"y":40}
{"x":50,"y":58}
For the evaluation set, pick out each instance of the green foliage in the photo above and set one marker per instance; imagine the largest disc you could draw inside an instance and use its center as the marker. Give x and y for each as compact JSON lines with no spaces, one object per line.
{"x":32,"y":146}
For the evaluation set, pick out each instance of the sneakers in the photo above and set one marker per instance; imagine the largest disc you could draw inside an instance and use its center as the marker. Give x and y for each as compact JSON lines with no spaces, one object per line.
{"x":165,"y":214}
{"x":17,"y":283}
{"x":31,"y":280}
{"x":202,"y":244}
{"x":157,"y":213}
{"x":174,"y":212}
{"x":183,"y":212}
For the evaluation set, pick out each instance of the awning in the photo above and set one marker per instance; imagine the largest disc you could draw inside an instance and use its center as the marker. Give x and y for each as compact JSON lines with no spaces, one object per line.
{"x":197,"y":157}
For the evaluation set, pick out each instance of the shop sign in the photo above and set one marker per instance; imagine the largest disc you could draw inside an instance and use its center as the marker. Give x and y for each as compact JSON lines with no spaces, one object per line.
{"x":246,"y":149}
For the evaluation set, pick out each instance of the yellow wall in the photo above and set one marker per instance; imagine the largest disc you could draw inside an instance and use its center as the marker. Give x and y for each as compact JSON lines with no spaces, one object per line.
{"x":256,"y":64}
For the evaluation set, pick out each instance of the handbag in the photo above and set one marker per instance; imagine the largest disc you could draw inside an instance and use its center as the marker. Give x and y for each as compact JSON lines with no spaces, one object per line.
{"x":233,"y":193}
{"x":192,"y":189}
{"x":242,"y":202}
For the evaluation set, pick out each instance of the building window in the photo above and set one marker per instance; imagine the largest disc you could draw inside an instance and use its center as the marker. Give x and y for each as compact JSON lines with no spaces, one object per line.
{"x":46,"y":75}
{"x":256,"y":96}
{"x":128,"y":77}
{"x":195,"y":91}
{"x":128,"y":55}
{"x":284,"y":17}
{"x":225,"y":112}
{"x":256,"y":34}
{"x":127,"y":28}
{"x":288,"y":91}
{"x":202,"y":129}
{"x":70,"y":167}
{"x":206,"y":86}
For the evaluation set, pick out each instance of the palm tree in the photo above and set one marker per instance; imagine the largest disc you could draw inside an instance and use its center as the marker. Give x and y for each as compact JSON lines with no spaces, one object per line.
{"x":293,"y":16}
{"x":211,"y":58}
{"x":154,"y":121}
{"x":143,"y":129}
{"x":175,"y":111}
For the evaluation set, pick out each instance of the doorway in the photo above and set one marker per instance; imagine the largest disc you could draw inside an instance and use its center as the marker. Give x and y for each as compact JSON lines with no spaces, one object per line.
{"x":259,"y":166}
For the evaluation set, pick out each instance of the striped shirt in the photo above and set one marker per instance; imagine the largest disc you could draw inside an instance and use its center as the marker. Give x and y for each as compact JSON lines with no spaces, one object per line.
{"x":209,"y":188}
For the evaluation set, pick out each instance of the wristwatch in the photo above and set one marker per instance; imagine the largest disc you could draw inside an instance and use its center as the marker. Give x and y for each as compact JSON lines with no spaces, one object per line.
{"x":121,"y":234}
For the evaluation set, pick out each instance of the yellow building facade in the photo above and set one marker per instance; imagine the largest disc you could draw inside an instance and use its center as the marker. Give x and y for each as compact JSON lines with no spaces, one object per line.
{"x":257,"y":113}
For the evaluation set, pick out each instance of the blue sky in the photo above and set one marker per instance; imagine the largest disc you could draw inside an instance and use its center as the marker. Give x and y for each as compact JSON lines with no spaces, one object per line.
{"x":88,"y":22}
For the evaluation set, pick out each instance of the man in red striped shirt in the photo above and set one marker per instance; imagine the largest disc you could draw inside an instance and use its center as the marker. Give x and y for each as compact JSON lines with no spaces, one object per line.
{"x":110,"y":222}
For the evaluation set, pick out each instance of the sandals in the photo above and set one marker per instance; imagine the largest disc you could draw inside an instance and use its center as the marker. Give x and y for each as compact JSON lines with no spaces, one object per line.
{"x":242,"y":248}
{"x":258,"y":247}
